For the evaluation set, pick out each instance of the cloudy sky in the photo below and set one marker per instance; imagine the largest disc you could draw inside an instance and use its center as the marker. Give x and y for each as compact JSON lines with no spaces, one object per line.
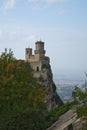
{"x":61,"y":24}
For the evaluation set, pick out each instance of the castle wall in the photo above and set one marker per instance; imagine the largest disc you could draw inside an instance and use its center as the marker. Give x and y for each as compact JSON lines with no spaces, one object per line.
{"x":33,"y":58}
{"x":37,"y":57}
{"x":37,"y":66}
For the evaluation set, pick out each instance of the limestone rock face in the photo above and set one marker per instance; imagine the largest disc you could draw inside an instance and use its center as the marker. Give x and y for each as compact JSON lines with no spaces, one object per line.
{"x":46,"y":80}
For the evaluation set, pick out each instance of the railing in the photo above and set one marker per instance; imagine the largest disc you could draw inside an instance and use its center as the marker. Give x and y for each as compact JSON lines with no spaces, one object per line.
{"x":64,"y":121}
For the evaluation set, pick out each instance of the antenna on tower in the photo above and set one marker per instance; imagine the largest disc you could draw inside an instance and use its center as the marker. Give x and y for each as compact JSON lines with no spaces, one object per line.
{"x":28,"y":46}
{"x":40,"y":39}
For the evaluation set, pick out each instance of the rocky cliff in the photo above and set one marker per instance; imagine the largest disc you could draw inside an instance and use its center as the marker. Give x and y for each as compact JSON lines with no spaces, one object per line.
{"x":45,"y":77}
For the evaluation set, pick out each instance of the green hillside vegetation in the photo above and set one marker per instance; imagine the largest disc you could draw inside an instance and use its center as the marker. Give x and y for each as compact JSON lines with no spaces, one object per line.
{"x":21,"y":97}
{"x":80,"y":102}
{"x":22,"y":104}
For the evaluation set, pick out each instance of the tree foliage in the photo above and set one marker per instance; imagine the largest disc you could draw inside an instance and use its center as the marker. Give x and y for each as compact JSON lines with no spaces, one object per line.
{"x":80,"y":100}
{"x":22,"y":105}
{"x":21,"y":97}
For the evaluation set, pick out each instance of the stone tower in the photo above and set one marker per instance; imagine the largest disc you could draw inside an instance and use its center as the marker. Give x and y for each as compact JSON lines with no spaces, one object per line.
{"x":38,"y":59}
{"x":28,"y":53}
{"x":39,"y":52}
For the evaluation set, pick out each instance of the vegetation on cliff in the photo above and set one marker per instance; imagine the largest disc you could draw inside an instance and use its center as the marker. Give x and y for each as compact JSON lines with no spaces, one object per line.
{"x":22,"y":103}
{"x":80,"y":102}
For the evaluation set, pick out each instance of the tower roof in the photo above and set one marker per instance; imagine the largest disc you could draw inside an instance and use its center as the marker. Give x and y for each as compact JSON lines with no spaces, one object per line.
{"x":39,"y":42}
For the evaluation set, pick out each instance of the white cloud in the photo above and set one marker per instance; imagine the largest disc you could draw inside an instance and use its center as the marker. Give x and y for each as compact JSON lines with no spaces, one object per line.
{"x":9,"y":4}
{"x":49,"y":1}
{"x":52,"y":1}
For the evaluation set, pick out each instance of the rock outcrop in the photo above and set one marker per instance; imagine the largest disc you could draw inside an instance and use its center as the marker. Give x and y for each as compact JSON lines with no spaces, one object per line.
{"x":45,"y":77}
{"x":42,"y":70}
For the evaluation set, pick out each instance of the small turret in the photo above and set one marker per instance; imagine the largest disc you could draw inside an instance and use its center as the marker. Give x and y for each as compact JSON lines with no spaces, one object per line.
{"x":28,"y":53}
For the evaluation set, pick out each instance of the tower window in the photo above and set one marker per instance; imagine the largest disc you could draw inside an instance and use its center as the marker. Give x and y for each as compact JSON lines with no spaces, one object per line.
{"x":26,"y":52}
{"x":37,"y":68}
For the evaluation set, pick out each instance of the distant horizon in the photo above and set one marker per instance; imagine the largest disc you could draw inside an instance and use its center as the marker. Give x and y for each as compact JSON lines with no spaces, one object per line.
{"x":71,"y":77}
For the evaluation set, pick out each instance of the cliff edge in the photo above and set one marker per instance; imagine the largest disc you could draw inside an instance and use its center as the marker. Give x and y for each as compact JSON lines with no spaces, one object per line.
{"x":42,"y":70}
{"x":46,"y":81}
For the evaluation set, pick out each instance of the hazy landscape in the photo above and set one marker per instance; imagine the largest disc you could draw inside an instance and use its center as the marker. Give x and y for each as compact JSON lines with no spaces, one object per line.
{"x":66,"y":84}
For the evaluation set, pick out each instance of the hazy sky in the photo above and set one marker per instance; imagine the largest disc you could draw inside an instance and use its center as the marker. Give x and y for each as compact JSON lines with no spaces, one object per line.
{"x":61,"y":24}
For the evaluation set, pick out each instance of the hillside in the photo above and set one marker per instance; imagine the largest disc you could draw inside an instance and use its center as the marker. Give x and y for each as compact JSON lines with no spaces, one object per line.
{"x":23,"y":98}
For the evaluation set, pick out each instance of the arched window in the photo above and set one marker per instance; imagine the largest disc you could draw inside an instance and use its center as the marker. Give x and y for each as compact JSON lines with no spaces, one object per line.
{"x":37,"y":68}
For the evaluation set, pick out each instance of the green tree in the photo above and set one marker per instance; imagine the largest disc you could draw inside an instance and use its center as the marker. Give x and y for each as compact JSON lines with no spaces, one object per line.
{"x":80,"y":100}
{"x":22,"y":105}
{"x":21,"y":97}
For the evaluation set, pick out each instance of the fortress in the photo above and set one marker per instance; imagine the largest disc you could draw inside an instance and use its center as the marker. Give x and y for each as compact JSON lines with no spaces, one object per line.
{"x":42,"y":70}
{"x":38,"y":60}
